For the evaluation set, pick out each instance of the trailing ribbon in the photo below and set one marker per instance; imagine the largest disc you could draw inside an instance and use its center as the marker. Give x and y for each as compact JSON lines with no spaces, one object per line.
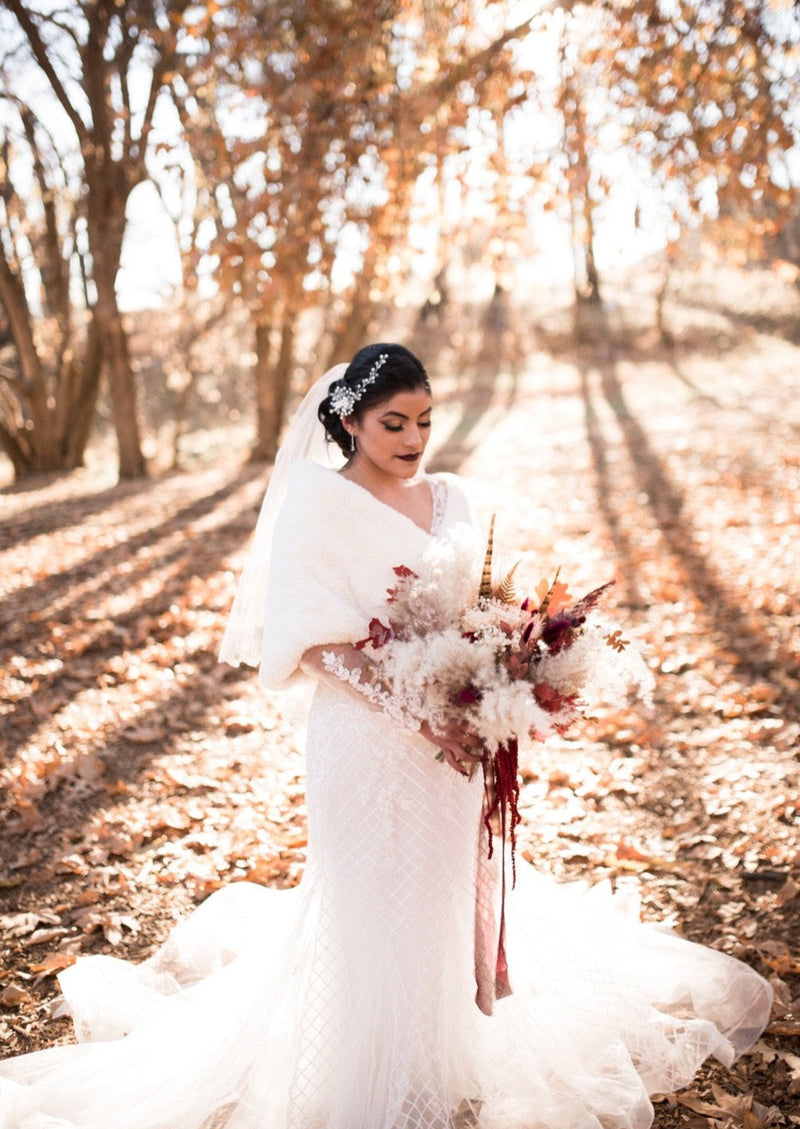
{"x":500,"y":817}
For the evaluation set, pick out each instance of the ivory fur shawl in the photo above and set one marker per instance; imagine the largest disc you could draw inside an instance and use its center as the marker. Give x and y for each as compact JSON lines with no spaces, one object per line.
{"x":334,"y":547}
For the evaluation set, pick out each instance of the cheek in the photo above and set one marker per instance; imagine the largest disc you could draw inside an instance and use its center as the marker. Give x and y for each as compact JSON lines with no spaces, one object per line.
{"x":378,"y":438}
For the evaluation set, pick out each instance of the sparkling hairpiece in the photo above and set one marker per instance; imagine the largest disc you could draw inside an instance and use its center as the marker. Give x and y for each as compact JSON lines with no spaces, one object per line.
{"x":346,"y":396}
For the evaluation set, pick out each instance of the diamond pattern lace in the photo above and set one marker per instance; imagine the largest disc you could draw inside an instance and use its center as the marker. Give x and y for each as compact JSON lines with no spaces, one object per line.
{"x":348,"y":1003}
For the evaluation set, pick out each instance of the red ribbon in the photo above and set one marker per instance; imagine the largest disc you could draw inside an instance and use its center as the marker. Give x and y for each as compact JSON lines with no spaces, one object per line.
{"x":500,"y":818}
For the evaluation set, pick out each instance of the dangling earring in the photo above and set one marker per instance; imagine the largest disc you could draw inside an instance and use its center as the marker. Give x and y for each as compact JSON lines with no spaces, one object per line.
{"x":352,"y":443}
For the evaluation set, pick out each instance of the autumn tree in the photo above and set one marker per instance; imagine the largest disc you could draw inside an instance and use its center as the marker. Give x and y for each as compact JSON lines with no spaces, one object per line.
{"x":50,"y":352}
{"x":314,"y":125}
{"x":708,"y":91}
{"x":74,"y":156}
{"x":695,"y":98}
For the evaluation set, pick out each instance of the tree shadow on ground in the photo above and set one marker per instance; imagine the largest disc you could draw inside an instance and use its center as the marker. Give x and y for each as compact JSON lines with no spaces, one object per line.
{"x":734,"y":627}
{"x":89,"y":637}
{"x":48,"y":517}
{"x":488,"y":358}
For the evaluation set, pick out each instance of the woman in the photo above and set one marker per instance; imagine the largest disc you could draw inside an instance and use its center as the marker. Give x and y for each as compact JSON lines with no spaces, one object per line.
{"x":369,"y":997}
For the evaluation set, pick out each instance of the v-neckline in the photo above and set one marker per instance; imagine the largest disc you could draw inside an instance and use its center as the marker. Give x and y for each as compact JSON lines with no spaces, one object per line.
{"x":430,"y":532}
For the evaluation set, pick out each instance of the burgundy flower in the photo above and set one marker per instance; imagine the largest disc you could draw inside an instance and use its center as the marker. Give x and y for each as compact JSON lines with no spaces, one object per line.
{"x":466,"y":696}
{"x":550,"y":699}
{"x":554,"y":632}
{"x":404,"y":573}
{"x":379,"y":634}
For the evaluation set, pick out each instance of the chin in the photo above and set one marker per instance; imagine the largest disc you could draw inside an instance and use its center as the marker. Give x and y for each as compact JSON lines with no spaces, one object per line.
{"x":406,"y":470}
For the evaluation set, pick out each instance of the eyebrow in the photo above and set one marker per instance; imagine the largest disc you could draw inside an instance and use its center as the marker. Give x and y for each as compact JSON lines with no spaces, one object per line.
{"x":402,"y":415}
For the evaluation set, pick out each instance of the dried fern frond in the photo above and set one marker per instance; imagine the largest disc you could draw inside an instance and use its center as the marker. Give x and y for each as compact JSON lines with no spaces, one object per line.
{"x":485,"y":592}
{"x":506,"y":591}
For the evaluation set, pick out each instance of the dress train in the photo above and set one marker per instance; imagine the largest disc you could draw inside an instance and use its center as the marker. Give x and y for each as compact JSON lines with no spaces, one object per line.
{"x":349,"y":1002}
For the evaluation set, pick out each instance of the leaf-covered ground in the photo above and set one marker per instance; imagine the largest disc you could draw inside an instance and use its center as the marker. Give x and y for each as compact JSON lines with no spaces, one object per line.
{"x":139,"y":775}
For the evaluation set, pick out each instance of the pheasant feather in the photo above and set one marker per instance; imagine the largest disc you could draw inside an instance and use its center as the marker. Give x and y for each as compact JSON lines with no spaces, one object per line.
{"x":485,"y":592}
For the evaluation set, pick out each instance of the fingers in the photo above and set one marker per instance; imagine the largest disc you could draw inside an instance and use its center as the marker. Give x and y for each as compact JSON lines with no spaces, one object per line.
{"x":452,"y":749}
{"x":459,"y":759}
{"x":450,"y":756}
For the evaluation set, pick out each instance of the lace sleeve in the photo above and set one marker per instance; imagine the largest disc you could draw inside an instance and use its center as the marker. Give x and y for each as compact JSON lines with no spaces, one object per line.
{"x":352,"y":669}
{"x":439,"y":496}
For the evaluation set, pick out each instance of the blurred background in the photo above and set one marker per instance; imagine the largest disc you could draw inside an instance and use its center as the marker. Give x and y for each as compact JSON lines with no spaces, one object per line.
{"x":584,"y":218}
{"x":203,"y":206}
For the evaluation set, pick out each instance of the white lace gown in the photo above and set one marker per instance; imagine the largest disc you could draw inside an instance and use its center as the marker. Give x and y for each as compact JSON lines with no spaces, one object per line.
{"x":349,"y":1002}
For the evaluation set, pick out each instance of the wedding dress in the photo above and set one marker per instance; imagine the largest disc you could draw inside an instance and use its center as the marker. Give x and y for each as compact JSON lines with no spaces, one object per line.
{"x":349,"y":1002}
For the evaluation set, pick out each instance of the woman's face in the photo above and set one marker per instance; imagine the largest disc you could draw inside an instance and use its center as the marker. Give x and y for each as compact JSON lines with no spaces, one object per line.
{"x":392,"y":436}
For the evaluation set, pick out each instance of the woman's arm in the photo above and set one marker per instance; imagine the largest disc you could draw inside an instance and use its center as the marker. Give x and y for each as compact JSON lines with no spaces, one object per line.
{"x":341,"y":664}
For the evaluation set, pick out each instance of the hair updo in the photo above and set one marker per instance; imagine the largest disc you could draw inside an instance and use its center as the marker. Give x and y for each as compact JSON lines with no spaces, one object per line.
{"x":400,"y":372}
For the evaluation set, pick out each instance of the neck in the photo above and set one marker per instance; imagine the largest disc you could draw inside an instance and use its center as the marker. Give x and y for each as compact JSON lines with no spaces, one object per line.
{"x":377,"y":481}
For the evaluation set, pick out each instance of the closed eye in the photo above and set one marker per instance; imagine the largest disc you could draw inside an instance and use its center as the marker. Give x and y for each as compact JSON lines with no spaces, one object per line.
{"x":426,"y":423}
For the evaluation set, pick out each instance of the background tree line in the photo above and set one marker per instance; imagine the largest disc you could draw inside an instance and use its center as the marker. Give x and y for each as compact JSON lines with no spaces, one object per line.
{"x":304,"y":148}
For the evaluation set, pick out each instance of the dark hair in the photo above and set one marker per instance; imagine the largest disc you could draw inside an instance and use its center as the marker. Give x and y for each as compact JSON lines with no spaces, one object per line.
{"x":400,"y":372}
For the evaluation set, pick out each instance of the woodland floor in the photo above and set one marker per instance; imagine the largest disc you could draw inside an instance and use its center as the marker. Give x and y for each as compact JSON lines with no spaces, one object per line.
{"x":139,"y":774}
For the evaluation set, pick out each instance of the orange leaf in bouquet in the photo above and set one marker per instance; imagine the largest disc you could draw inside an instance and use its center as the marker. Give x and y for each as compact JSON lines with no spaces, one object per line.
{"x":552,"y":596}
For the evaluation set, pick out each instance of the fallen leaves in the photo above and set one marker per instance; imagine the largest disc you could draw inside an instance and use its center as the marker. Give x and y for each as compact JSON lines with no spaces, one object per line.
{"x":142,"y":775}
{"x":25,"y":924}
{"x":12,"y":996}
{"x":52,"y":964}
{"x":730,"y":1109}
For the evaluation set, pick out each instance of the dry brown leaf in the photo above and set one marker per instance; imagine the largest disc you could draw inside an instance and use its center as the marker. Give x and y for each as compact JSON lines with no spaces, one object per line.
{"x":788,"y":892}
{"x":13,"y":996}
{"x":43,"y":936}
{"x":26,"y":817}
{"x":52,"y":964}
{"x":22,"y":924}
{"x":144,"y":734}
{"x":788,"y":1028}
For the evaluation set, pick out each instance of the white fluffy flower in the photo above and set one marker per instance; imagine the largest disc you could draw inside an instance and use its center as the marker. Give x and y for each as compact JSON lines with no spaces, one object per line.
{"x":454,"y":654}
{"x":509,"y":709}
{"x":597,"y":671}
{"x":436,"y":597}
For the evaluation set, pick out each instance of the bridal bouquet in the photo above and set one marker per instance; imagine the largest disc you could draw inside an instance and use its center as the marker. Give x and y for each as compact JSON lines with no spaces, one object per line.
{"x":458,"y":647}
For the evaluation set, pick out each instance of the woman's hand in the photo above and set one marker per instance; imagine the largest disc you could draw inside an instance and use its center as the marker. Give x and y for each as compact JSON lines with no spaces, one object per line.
{"x":456,"y":745}
{"x":459,"y":747}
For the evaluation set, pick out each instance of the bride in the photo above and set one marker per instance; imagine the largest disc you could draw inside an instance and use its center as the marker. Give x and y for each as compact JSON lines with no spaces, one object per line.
{"x":373,"y":996}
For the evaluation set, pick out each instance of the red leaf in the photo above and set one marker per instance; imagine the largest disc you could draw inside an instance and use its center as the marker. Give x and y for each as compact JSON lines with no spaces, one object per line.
{"x":379,"y":634}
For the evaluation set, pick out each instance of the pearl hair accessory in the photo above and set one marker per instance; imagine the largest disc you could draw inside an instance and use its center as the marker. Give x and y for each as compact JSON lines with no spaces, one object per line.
{"x":346,"y":396}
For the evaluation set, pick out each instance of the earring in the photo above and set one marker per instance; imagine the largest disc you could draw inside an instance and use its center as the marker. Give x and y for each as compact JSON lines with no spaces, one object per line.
{"x":352,"y":442}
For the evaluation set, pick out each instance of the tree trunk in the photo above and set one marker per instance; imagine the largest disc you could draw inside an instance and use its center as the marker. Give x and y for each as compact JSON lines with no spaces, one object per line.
{"x":84,"y":385}
{"x":124,"y":405}
{"x":105,"y":242}
{"x":352,"y":332}
{"x":579,"y":175}
{"x":665,"y":333}
{"x":47,"y":406}
{"x":273,"y":379}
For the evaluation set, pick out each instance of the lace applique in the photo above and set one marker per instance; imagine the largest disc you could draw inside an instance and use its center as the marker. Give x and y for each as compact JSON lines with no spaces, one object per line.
{"x":372,"y":691}
{"x":439,"y":495}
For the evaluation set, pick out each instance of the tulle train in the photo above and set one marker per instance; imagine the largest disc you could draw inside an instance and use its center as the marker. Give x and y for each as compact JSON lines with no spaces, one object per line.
{"x":348,"y":1003}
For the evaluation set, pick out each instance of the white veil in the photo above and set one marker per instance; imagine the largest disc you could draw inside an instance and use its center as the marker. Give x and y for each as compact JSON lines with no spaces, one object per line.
{"x":305,"y":439}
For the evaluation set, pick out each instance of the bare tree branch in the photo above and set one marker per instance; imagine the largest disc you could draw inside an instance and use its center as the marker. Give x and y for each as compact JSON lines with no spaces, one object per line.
{"x":40,"y":53}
